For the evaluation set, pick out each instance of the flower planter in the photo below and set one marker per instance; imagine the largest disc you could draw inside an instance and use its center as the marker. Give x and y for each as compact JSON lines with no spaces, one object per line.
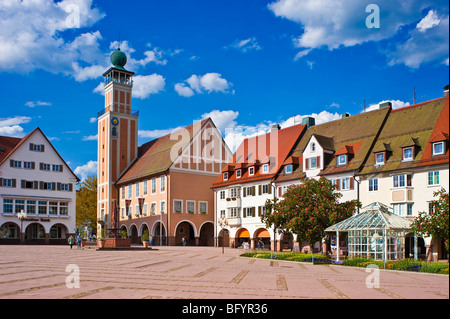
{"x":101,"y":243}
{"x":145,"y":243}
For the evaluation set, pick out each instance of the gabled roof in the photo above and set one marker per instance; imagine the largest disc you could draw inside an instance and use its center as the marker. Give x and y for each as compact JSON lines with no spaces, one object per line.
{"x":154,"y":157}
{"x":418,"y":125}
{"x":271,"y":148}
{"x":353,"y":135}
{"x":11,"y":144}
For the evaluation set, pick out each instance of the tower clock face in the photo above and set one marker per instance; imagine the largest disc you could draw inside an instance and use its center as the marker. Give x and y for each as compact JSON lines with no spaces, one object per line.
{"x":115,"y":121}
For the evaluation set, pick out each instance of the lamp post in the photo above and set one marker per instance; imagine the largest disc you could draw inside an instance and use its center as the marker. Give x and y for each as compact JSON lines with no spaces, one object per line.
{"x":22,"y":216}
{"x":223,"y":223}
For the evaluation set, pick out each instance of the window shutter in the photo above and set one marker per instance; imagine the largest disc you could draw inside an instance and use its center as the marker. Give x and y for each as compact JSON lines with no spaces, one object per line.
{"x":253,"y":211}
{"x":42,"y":147}
{"x":269,"y":188}
{"x":53,"y":186}
{"x":35,"y":185}
{"x":244,"y":214}
{"x":31,"y":146}
{"x":11,"y":163}
{"x":338,"y":184}
{"x":318,"y":161}
{"x":279,"y":191}
{"x":259,"y":189}
{"x":32,"y":165}
{"x":41,"y":166}
{"x":259,"y":210}
{"x":58,"y":186}
{"x":244,"y":191}
{"x":13,"y":182}
{"x":60,"y":168}
{"x":41,"y":185}
{"x":1,"y":182}
{"x":408,"y":180}
{"x":352,"y":183}
{"x":253,"y":191}
{"x":22,"y":183}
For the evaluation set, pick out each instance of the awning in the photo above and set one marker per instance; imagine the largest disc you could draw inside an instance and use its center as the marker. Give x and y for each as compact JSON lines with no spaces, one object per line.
{"x":244,"y":234}
{"x":263,"y":234}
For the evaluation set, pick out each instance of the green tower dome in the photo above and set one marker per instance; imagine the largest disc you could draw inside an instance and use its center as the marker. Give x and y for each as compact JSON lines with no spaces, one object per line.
{"x":118,"y":59}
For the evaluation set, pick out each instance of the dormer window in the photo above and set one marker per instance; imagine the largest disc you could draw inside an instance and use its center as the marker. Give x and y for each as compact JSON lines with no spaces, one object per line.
{"x":251,"y":170}
{"x":288,"y":169}
{"x":238,"y":173}
{"x":379,"y":159}
{"x":342,"y":159}
{"x":312,"y":162}
{"x":265,"y":168}
{"x":225,"y":176}
{"x":438,"y":148}
{"x":408,"y":154}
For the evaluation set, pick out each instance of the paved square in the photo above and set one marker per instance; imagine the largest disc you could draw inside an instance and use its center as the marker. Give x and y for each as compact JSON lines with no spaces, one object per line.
{"x":194,"y":273}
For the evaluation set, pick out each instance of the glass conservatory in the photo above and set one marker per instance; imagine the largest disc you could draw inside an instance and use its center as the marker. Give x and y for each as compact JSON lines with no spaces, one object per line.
{"x":375,"y":233}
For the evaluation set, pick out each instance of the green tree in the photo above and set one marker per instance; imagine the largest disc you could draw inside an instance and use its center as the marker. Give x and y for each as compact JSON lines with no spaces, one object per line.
{"x":308,"y":209}
{"x":87,"y":202}
{"x":436,"y":223}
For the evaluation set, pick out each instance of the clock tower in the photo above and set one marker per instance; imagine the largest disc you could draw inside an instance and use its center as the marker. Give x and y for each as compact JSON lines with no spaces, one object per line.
{"x":117,"y":140}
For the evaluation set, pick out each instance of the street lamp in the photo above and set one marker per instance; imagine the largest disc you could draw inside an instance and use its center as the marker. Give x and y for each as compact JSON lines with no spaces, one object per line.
{"x":22,"y":216}
{"x":223,"y":223}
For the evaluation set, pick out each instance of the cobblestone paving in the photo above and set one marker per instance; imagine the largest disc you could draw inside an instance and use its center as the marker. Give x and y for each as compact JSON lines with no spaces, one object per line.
{"x":194,"y":273}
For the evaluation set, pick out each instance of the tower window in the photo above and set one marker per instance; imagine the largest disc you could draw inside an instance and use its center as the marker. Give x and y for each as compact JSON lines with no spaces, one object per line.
{"x":114,"y":131}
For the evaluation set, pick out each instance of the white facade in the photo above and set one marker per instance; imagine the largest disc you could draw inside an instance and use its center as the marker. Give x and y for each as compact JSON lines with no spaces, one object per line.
{"x":242,"y":206}
{"x":35,"y":179}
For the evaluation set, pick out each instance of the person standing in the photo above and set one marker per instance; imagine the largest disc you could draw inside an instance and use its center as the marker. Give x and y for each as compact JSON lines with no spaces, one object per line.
{"x":79,"y":240}
{"x":71,"y":241}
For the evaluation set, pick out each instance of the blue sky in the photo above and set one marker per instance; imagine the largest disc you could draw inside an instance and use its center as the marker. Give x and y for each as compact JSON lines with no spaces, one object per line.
{"x":247,"y":64}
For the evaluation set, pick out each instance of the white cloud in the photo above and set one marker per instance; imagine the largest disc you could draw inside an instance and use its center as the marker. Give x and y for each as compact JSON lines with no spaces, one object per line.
{"x":156,"y":133}
{"x":11,"y":126}
{"x":430,"y":20}
{"x":93,"y":120}
{"x":250,"y":44}
{"x":210,"y":82}
{"x":144,"y":85}
{"x":86,"y":170}
{"x":90,"y":138}
{"x":31,"y":35}
{"x":37,"y":103}
{"x":332,"y":24}
{"x":428,"y":42}
{"x":183,"y":90}
{"x":222,"y":119}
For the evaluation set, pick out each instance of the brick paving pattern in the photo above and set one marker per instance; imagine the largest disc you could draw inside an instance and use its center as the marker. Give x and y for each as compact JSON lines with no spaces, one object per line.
{"x":195,"y":273}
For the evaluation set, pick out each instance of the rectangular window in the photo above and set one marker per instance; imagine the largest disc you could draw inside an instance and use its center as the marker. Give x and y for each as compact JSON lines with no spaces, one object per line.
{"x":31,"y":207}
{"x":265,"y":168}
{"x":265,"y":188}
{"x":53,"y":208}
{"x":288,"y":169}
{"x":163,"y":206}
{"x":222,"y":194}
{"x":37,"y":147}
{"x":163,"y":184}
{"x":65,"y":187}
{"x":225,"y":176}
{"x":342,"y":159}
{"x":409,"y":209}
{"x":345,"y":183}
{"x":251,"y":171}
{"x":233,"y":212}
{"x":16,"y":164}
{"x":232,"y":192}
{"x":57,"y":168}
{"x":20,"y":205}
{"x":153,"y":185}
{"x":190,"y":206}
{"x":313,"y":162}
{"x":145,"y":209}
{"x":399,"y":209}
{"x":402,"y":180}
{"x":153,"y":209}
{"x":130,"y":191}
{"x":438,"y":148}
{"x":8,"y":206}
{"x":137,"y":190}
{"x":408,"y":154}
{"x":203,"y":207}
{"x":433,"y":178}
{"x":137,"y":210}
{"x":177,"y":206}
{"x":222,"y":214}
{"x":238,"y":173}
{"x":145,"y":190}
{"x":379,"y":159}
{"x":42,"y":207}
{"x":373,"y":184}
{"x":64,"y":209}
{"x":7,"y":182}
{"x":28,"y":165}
{"x":123,"y":192}
{"x":45,"y":167}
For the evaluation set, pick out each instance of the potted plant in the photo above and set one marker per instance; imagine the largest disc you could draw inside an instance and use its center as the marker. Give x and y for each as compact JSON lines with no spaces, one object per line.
{"x":145,"y":238}
{"x":100,"y":240}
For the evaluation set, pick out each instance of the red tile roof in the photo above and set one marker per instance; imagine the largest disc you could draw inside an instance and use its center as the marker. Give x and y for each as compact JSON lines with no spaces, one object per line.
{"x":271,"y":148}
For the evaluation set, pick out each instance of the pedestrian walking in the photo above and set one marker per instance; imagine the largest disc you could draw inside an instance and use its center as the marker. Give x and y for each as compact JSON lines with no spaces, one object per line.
{"x":79,"y":240}
{"x":151,"y":240}
{"x":71,"y":241}
{"x":184,"y":240}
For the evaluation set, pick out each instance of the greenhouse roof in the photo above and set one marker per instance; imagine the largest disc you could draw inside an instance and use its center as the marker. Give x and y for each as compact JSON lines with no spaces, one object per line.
{"x":372,"y":216}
